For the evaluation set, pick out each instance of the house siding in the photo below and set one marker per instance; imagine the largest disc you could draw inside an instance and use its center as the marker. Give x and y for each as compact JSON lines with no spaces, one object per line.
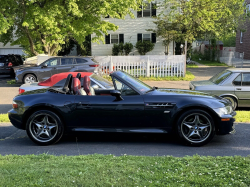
{"x":130,"y":28}
{"x":245,"y":45}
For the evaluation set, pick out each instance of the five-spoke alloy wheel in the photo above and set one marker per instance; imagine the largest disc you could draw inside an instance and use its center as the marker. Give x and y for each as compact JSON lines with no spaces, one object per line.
{"x":44,"y":127}
{"x":196,"y":127}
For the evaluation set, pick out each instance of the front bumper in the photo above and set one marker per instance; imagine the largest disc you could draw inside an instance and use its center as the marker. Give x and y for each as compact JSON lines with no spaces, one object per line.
{"x":225,"y":127}
{"x":16,"y":119}
{"x":19,"y":78}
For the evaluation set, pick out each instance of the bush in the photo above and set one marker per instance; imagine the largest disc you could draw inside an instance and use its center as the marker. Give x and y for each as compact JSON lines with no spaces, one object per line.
{"x":144,"y":47}
{"x":115,"y":50}
{"x":127,"y":48}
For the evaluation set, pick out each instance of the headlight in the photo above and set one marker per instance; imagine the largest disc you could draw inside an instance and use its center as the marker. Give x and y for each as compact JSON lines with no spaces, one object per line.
{"x":224,"y":111}
{"x":18,"y":70}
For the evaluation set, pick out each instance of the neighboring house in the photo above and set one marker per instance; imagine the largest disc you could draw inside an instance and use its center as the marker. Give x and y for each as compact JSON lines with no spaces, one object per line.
{"x":243,"y":38}
{"x":8,"y":49}
{"x":132,"y":30}
{"x":199,"y":45}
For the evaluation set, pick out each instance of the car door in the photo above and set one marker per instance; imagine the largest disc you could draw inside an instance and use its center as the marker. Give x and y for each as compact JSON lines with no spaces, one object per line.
{"x":81,"y":65}
{"x":242,"y":89}
{"x":47,"y":69}
{"x":65,"y":65}
{"x":103,"y":111}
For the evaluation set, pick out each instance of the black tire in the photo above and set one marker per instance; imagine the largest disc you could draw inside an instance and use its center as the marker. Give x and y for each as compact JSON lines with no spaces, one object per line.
{"x":232,"y":100}
{"x":195,"y":133}
{"x":40,"y":131}
{"x":29,"y":78}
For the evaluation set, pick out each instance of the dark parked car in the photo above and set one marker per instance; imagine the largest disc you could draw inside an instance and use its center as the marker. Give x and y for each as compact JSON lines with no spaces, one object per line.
{"x":232,"y":84}
{"x":38,"y":73}
{"x":7,"y":62}
{"x":132,"y":107}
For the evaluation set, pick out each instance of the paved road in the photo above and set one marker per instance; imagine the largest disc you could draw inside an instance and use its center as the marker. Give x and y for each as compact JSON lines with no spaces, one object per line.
{"x":14,"y":141}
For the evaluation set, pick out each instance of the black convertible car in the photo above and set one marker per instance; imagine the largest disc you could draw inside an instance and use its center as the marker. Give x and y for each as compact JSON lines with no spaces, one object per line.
{"x":133,"y":106}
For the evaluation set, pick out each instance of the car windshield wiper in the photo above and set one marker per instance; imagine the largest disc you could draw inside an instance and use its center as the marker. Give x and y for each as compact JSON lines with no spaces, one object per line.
{"x":153,"y":89}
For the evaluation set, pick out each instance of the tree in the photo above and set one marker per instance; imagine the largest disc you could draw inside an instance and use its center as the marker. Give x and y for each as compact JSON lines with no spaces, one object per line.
{"x":42,"y":26}
{"x":144,"y":47}
{"x":193,"y":19}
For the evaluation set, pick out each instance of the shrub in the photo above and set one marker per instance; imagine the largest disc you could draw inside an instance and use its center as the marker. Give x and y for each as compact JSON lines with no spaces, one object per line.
{"x":127,"y":48}
{"x":121,"y":47}
{"x":115,"y":50}
{"x":144,"y":47}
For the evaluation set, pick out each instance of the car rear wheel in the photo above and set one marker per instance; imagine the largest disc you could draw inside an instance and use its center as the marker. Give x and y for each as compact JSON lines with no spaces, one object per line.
{"x":29,"y":78}
{"x":44,"y":127}
{"x":196,"y":127}
{"x":232,"y":100}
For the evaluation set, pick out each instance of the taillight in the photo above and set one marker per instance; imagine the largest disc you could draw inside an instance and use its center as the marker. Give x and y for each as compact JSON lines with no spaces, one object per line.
{"x":10,"y":64}
{"x":14,"y":104}
{"x":21,"y":90}
{"x":96,"y":65}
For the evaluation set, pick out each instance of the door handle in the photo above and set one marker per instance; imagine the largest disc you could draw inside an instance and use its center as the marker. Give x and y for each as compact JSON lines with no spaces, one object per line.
{"x":238,"y":88}
{"x":84,"y":103}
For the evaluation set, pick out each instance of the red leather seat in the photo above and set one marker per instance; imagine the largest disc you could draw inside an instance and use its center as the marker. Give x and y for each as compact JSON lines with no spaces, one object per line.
{"x":76,"y":86}
{"x":86,"y":85}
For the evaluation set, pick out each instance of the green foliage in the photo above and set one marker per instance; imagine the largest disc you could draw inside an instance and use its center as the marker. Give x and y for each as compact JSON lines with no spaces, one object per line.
{"x":144,"y":47}
{"x":193,"y":19}
{"x":44,"y":26}
{"x":128,"y":48}
{"x":121,"y":47}
{"x":110,"y":170}
{"x":229,"y":40}
{"x":189,"y":77}
{"x":115,"y":50}
{"x":11,"y":81}
{"x":4,"y":118}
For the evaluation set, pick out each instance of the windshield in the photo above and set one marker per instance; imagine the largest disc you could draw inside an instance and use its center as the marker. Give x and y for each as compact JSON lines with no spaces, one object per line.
{"x":102,"y":81}
{"x":218,"y":78}
{"x":134,"y":81}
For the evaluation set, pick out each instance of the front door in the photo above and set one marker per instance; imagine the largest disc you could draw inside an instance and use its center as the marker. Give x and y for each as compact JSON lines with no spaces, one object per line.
{"x":242,"y":89}
{"x":48,"y":70}
{"x":105,"y":112}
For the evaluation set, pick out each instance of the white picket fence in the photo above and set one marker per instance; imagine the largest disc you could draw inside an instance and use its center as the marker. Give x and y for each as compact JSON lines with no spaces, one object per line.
{"x":147,"y":66}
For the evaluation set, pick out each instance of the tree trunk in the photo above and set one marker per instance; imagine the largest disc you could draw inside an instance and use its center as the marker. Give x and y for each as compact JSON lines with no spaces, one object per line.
{"x":32,"y":49}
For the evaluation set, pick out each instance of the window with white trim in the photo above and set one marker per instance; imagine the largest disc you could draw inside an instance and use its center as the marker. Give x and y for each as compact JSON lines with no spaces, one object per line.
{"x":114,"y":38}
{"x":241,"y":37}
{"x":148,"y":10}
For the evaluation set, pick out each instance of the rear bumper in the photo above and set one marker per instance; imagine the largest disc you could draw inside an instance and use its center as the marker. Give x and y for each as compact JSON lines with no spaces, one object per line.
{"x":16,"y":119}
{"x":5,"y":71}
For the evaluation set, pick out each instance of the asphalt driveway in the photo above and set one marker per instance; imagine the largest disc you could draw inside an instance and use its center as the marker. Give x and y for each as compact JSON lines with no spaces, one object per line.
{"x":14,"y":141}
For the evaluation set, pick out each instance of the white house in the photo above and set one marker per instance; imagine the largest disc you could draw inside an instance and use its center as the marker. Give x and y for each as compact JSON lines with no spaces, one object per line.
{"x":8,"y":49}
{"x":132,"y":30}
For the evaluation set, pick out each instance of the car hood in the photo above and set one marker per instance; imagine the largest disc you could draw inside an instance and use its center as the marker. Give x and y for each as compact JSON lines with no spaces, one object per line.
{"x":202,"y":83}
{"x":164,"y":91}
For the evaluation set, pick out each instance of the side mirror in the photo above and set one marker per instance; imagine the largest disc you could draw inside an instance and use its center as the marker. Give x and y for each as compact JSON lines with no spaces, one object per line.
{"x":117,"y":94}
{"x":44,"y":65}
{"x":95,"y":86}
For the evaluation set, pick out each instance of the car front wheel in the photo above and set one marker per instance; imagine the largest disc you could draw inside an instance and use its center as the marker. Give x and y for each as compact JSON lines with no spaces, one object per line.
{"x":232,"y":101}
{"x":29,"y":78}
{"x":196,"y":127}
{"x":44,"y":127}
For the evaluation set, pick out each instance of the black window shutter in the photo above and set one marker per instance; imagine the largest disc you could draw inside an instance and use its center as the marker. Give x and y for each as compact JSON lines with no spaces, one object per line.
{"x":107,"y":39}
{"x":153,"y":37}
{"x":121,"y":38}
{"x":139,"y":37}
{"x":153,"y":9}
{"x":139,"y":13}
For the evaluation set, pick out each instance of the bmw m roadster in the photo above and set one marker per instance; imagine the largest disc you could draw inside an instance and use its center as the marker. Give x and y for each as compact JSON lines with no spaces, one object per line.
{"x":132,"y":107}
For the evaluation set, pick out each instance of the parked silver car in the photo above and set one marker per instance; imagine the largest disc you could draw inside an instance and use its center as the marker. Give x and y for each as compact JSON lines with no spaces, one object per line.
{"x":232,"y":84}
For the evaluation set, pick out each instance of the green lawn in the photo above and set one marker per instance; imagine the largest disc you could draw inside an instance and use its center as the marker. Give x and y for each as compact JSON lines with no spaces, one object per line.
{"x":4,"y":118}
{"x":100,"y":170}
{"x":189,"y":76}
{"x":209,"y":63}
{"x":192,"y":66}
{"x":11,"y":81}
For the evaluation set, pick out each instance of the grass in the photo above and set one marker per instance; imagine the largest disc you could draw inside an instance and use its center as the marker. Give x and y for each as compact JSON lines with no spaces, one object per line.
{"x":11,"y":81}
{"x":109,"y":170}
{"x":210,"y":63}
{"x":189,"y":76}
{"x":243,"y":116}
{"x":192,"y":66}
{"x":4,"y":118}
